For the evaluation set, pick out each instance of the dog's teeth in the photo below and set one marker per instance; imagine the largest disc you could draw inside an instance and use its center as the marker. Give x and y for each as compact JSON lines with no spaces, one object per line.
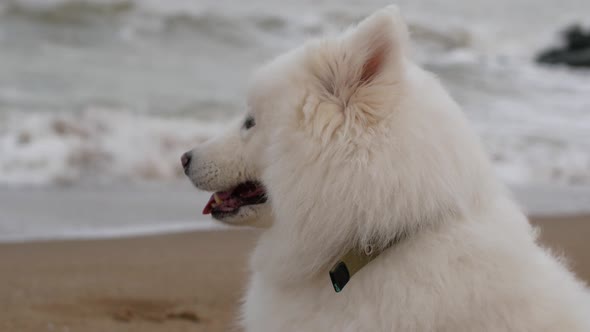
{"x":217,"y":199}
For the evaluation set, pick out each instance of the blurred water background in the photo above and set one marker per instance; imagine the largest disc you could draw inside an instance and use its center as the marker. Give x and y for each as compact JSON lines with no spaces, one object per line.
{"x":98,"y":99}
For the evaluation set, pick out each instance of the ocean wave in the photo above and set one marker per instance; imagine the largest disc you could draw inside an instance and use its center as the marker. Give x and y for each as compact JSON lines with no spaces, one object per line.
{"x":95,"y":145}
{"x":278,"y":28}
{"x":65,"y":10}
{"x":459,"y":25}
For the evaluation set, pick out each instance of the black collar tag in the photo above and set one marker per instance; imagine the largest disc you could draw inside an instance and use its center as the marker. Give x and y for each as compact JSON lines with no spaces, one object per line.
{"x":340,"y":276}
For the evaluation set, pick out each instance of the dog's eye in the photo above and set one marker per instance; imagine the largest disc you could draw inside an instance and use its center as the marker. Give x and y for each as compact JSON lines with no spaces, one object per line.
{"x":249,"y":122}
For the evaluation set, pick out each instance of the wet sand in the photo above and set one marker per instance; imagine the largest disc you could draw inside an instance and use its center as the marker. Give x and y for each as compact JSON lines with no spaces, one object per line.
{"x":179,"y":282}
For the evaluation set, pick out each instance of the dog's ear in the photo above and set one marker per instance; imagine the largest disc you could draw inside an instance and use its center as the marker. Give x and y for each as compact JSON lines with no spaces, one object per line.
{"x":378,"y":41}
{"x":355,"y":71}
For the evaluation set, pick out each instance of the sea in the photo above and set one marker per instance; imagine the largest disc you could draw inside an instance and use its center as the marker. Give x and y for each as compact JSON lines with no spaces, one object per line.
{"x":99,"y":98}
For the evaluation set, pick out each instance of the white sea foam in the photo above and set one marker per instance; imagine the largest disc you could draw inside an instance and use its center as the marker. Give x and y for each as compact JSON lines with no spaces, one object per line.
{"x":45,"y":148}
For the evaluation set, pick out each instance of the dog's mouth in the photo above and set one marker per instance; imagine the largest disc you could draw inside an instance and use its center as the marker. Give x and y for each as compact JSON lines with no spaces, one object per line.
{"x":229,"y":202}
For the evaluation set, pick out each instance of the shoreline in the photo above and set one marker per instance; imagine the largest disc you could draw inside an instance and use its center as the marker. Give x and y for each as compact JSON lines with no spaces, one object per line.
{"x":164,"y":228}
{"x":130,"y":210}
{"x":183,"y":227}
{"x":190,"y":281}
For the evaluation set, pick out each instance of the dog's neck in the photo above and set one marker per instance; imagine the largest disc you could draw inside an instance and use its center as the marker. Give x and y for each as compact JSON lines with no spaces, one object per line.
{"x":291,"y":254}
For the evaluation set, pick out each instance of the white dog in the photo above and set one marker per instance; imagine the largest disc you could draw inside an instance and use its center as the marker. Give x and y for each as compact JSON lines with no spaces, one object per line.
{"x":362,"y":169}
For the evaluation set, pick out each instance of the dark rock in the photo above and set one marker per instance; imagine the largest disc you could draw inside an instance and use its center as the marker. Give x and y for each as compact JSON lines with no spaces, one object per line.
{"x":574,"y":52}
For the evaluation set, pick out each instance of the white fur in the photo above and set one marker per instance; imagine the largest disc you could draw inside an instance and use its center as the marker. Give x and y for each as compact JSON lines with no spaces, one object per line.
{"x":351,"y":158}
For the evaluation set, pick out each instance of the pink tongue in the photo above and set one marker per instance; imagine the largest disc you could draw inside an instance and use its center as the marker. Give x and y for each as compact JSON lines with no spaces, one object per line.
{"x":223,"y":195}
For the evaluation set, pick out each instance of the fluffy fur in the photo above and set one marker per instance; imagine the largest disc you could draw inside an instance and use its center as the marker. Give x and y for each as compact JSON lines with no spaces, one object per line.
{"x":355,"y":145}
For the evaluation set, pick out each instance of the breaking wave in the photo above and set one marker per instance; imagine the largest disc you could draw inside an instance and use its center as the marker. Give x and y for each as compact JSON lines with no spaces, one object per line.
{"x":94,"y":145}
{"x":238,"y":26}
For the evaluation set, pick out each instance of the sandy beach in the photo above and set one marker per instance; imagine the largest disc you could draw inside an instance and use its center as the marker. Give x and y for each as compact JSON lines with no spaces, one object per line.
{"x":179,"y":282}
{"x":100,"y":229}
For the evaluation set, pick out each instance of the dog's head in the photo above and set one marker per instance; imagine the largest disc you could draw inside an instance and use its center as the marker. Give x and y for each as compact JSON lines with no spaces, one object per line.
{"x":330,"y":126}
{"x":304,"y":98}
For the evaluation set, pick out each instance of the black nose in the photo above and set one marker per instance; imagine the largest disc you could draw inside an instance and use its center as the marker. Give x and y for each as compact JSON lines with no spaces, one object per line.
{"x":185,"y":160}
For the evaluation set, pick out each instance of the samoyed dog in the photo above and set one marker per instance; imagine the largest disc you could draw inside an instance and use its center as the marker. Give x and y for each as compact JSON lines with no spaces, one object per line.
{"x":380,"y":209}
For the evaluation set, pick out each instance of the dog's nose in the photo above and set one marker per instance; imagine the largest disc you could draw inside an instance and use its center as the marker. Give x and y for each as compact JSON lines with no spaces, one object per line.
{"x":185,"y":160}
